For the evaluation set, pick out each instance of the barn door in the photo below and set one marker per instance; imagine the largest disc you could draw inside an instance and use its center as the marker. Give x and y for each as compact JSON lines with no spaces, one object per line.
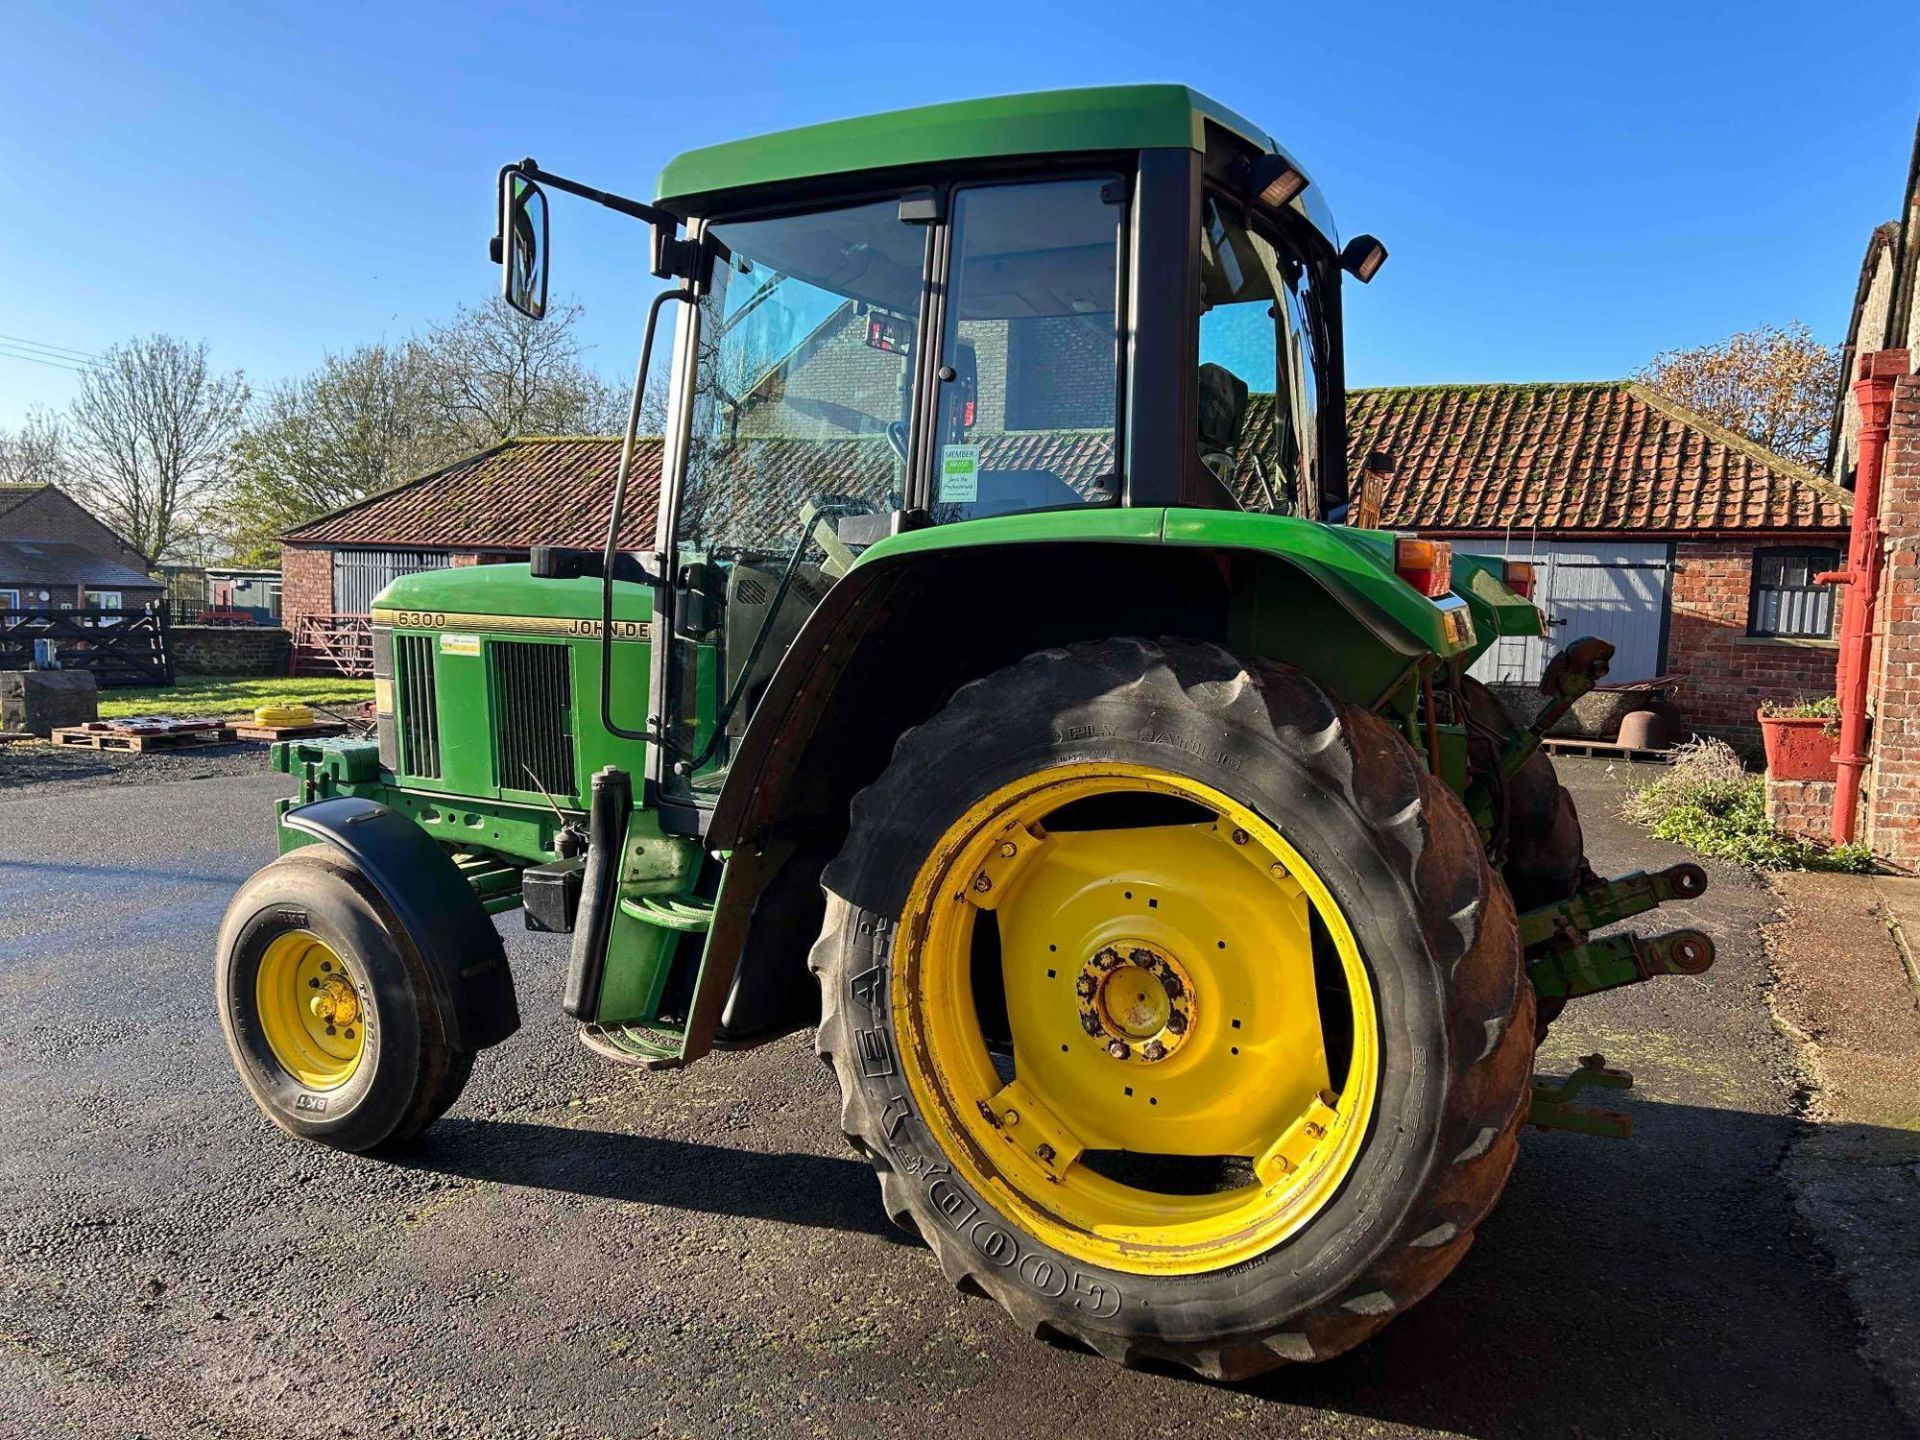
{"x":359,"y":575}
{"x":1617,"y":592}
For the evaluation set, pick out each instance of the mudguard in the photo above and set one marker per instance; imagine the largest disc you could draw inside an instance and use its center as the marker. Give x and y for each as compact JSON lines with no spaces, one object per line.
{"x":465,"y":961}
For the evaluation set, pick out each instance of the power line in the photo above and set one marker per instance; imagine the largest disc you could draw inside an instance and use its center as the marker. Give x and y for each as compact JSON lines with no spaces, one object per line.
{"x":58,"y":351}
{"x":6,"y":354}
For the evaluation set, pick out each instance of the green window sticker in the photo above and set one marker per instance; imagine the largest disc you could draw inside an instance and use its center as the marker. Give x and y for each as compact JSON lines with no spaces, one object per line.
{"x":959,"y":473}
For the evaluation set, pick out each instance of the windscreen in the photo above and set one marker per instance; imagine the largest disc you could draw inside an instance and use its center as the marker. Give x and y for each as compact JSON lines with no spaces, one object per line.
{"x":802,"y":390}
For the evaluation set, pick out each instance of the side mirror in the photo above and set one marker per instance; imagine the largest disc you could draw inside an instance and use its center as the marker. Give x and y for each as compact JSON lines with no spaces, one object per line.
{"x":521,"y":245}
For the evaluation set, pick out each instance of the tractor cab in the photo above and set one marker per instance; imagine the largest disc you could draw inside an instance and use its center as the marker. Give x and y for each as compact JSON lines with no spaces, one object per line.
{"x":1090,"y":299}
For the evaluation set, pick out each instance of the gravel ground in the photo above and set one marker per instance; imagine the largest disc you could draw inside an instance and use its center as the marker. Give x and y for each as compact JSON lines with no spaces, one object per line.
{"x":62,"y":769}
{"x":578,"y":1250}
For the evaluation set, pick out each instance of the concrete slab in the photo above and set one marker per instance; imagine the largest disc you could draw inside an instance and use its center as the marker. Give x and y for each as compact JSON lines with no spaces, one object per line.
{"x":1846,"y":994}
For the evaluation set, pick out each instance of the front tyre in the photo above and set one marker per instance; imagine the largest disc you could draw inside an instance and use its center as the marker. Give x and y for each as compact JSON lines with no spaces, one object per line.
{"x":1175,"y":1005}
{"x":327,"y":1009}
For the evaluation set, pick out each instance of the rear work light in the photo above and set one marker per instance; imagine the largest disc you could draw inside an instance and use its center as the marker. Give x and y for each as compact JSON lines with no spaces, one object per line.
{"x":1426,"y":565}
{"x":1520,"y":578}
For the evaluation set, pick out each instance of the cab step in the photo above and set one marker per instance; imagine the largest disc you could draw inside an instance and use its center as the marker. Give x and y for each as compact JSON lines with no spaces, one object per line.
{"x":649,"y":1044}
{"x":671,"y":912}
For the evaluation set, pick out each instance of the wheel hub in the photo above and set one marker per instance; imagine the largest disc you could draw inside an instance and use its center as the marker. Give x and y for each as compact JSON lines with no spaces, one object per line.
{"x":1137,"y":999}
{"x":335,"y":1004}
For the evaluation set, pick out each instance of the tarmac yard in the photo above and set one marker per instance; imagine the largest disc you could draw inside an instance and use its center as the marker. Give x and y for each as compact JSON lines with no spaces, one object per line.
{"x":578,"y":1250}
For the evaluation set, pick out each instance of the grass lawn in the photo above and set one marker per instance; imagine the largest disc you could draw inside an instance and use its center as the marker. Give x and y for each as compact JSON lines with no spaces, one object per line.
{"x":232,"y":695}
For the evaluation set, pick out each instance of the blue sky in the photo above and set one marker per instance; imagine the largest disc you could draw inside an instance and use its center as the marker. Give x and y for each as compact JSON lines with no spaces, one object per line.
{"x":1566,"y":189}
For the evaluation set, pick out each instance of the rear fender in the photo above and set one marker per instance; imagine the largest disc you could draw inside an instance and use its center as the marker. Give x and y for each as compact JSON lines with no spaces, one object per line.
{"x":925,"y":612}
{"x":466,"y":963}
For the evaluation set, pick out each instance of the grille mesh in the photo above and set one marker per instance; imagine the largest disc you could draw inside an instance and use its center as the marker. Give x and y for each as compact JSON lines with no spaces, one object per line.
{"x":419,"y":717}
{"x":531,"y":703}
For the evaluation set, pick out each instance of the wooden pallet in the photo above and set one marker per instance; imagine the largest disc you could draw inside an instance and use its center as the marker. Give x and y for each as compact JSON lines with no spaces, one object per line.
{"x":289,"y":732}
{"x":1603,"y":749}
{"x":139,"y":742}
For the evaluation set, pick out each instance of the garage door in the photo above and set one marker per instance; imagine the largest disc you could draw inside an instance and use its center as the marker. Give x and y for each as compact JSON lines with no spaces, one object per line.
{"x":1617,"y":592}
{"x":359,"y":575}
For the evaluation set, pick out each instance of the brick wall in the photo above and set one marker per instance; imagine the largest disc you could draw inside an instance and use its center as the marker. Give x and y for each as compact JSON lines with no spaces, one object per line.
{"x":230,"y":649}
{"x":1893,"y":817}
{"x":1801,"y":807}
{"x":306,"y":583}
{"x":1725,"y":673}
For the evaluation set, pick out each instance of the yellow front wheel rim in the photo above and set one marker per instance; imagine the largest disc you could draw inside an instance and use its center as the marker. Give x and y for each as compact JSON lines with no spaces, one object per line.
{"x":1164,"y":1015}
{"x":312,"y":1010}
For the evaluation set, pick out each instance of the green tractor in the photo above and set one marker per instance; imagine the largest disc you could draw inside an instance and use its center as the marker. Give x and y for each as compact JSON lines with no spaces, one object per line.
{"x":1016,"y":692}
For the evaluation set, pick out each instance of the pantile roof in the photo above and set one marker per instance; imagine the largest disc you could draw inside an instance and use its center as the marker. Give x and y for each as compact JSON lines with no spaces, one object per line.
{"x":1584,"y":458}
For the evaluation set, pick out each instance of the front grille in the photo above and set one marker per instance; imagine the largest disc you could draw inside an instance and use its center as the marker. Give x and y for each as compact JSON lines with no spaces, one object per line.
{"x":532,"y":704}
{"x":414,"y":698}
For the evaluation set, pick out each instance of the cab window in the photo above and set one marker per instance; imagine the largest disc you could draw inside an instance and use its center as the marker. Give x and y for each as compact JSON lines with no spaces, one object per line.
{"x":1029,"y":390}
{"x":1258,"y":391}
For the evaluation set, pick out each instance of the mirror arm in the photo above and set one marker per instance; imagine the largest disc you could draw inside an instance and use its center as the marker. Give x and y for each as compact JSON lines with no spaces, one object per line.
{"x":651,"y":214}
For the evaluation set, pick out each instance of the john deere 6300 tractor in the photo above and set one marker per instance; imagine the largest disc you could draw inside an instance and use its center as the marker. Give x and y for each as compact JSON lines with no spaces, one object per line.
{"x":1016,"y":692}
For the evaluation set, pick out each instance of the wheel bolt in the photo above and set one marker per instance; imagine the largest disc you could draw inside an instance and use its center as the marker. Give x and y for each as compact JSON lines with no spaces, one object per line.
{"x":1277,"y":870}
{"x":981,"y":883}
{"x":1118,"y":1049}
{"x":1240,"y":837}
{"x":1012,"y":1117}
{"x":1009,"y":850}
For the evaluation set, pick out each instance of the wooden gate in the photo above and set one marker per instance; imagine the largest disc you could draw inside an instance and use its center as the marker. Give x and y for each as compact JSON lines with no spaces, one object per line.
{"x":119,"y":647}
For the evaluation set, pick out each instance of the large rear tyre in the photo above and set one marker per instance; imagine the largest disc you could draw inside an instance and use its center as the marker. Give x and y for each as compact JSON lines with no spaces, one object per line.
{"x":327,"y":1009}
{"x":1544,"y":852}
{"x":1175,"y":1005}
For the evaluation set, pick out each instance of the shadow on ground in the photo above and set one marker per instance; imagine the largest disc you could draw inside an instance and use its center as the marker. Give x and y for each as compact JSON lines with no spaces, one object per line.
{"x":1646,"y":1287}
{"x":795,"y":1188}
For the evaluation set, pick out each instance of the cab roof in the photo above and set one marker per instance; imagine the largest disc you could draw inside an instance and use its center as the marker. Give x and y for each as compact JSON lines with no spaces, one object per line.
{"x":1046,"y":122}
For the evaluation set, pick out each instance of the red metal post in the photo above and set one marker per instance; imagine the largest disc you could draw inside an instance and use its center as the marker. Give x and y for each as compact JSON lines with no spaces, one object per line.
{"x":1873,"y":393}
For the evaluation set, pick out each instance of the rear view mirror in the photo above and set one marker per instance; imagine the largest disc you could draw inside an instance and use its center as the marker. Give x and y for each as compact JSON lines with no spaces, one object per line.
{"x":521,"y":246}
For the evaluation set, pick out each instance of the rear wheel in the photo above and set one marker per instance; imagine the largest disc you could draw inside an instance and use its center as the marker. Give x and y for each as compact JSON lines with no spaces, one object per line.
{"x":1175,"y":1005}
{"x":326,"y":1006}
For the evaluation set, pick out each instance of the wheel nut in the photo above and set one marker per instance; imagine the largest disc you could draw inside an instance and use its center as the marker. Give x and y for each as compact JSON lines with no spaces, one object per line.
{"x":1044,"y":1154}
{"x":1277,"y":870}
{"x":1240,"y":837}
{"x":981,"y":883}
{"x":1118,"y":1049}
{"x":1009,"y":850}
{"x":1012,"y":1117}
{"x":1153,"y":1050}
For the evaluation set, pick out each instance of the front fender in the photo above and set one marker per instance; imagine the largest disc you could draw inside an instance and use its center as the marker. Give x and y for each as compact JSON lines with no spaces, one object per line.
{"x":466,"y":963}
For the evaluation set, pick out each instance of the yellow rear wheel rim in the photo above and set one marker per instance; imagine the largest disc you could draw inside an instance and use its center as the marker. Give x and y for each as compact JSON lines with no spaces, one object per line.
{"x":1161,"y":1001}
{"x":311,"y":1009}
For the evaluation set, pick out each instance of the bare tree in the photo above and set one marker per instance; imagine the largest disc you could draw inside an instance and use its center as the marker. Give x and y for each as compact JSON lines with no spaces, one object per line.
{"x":359,"y":424}
{"x":36,"y":453}
{"x":152,"y":426}
{"x":1774,"y":385}
{"x":492,"y":373}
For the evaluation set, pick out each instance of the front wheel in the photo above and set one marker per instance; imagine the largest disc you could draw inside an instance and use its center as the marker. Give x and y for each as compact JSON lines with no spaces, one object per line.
{"x":327,"y":1009}
{"x":1175,"y":1005}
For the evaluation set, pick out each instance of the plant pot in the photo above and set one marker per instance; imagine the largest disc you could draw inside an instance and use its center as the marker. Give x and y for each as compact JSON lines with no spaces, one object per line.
{"x":1798,"y":749}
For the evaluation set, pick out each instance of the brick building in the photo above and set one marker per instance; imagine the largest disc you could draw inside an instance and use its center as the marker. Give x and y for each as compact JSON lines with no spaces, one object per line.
{"x":1883,"y":339}
{"x":1689,"y":547}
{"x":54,"y":547}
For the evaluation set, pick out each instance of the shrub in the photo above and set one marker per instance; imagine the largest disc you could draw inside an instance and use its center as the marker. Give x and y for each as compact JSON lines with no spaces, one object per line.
{"x":1827,"y":707}
{"x":1709,"y":803}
